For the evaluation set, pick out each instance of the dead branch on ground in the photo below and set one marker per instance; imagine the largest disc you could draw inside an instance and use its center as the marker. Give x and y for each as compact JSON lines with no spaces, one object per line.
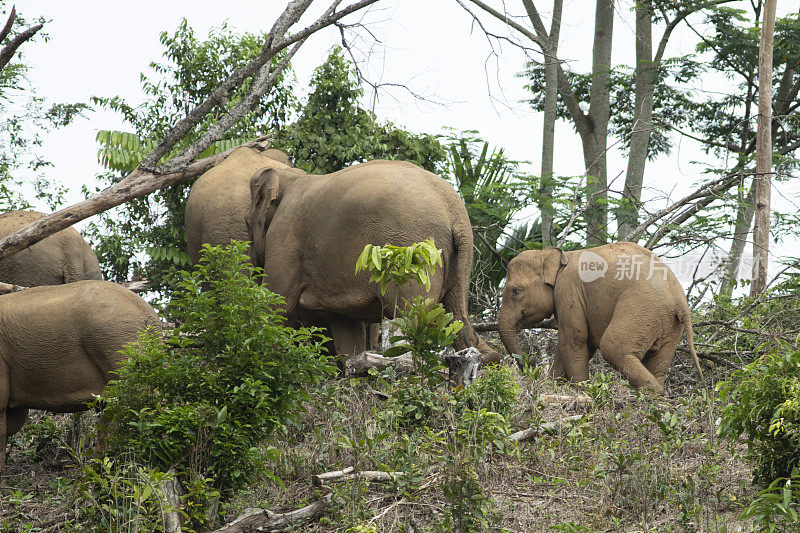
{"x":265,"y":520}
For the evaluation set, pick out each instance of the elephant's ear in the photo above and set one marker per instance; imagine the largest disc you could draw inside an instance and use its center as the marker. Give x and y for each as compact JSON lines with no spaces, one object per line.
{"x":265,"y":196}
{"x":554,"y":260}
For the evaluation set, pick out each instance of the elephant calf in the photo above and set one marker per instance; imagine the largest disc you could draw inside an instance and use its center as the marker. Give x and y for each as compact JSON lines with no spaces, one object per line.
{"x":58,"y":345}
{"x":618,"y":298}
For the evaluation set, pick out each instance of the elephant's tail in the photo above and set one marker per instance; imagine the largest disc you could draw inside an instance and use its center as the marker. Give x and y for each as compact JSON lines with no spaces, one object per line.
{"x":455,"y":299}
{"x":685,"y":316}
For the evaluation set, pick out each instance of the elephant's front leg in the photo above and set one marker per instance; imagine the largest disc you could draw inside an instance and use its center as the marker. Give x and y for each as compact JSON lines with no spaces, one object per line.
{"x":349,"y":336}
{"x":572,"y":357}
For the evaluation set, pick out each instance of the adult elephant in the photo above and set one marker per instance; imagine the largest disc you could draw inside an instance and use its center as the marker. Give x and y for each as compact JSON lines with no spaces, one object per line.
{"x":59,"y":345}
{"x":618,"y":298}
{"x":308,"y":231}
{"x":219,"y":200}
{"x":63,"y":257}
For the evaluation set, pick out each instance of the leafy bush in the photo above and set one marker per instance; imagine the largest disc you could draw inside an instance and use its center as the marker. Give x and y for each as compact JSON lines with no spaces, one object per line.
{"x":426,"y":329}
{"x":763,"y":403}
{"x":497,"y":391}
{"x":205,"y":397}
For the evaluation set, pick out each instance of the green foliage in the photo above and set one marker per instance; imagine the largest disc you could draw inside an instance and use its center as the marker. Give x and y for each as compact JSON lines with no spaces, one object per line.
{"x":146,"y":236}
{"x":469,"y":509}
{"x":203,"y":398}
{"x":763,"y":406}
{"x":426,"y":327}
{"x":400,"y":264}
{"x":25,"y":118}
{"x":119,"y":495}
{"x":426,"y":330}
{"x":333,"y":131}
{"x":496,"y":390}
{"x":777,"y":507}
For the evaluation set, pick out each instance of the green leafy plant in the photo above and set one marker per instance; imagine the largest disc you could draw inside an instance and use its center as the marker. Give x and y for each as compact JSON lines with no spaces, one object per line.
{"x":496,"y":390}
{"x":400,"y":264}
{"x":763,"y":404}
{"x":425,"y":325}
{"x":203,"y":398}
{"x":777,"y":507}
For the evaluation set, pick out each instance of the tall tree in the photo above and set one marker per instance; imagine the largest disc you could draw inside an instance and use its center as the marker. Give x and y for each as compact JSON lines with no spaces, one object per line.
{"x":550,"y":51}
{"x":763,"y":153}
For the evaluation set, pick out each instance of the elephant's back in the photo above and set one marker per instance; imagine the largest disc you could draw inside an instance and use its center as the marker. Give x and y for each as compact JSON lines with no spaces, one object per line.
{"x":63,"y":257}
{"x":80,"y":311}
{"x":219,"y":200}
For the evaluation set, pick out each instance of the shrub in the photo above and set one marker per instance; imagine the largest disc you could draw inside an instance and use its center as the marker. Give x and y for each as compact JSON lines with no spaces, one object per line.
{"x":204,"y":398}
{"x":763,"y":404}
{"x":497,"y":390}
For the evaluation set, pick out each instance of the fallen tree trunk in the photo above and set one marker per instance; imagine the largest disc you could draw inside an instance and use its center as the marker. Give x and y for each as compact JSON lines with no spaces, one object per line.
{"x":561,"y":399}
{"x":359,"y":365}
{"x":375,"y":476}
{"x":265,"y":520}
{"x":547,"y":427}
{"x":137,"y":183}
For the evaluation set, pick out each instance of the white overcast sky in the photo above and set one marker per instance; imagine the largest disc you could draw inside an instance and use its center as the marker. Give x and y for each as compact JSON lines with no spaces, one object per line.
{"x":100,"y":47}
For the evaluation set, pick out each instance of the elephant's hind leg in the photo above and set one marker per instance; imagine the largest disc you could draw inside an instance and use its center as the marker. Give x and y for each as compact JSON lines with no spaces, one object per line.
{"x":659,"y":361}
{"x":625,"y":343}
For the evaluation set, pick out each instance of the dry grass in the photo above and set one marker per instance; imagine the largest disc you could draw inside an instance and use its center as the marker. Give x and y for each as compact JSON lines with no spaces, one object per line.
{"x":630,"y":464}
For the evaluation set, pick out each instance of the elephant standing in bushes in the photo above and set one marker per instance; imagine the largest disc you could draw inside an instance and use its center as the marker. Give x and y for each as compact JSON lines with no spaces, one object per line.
{"x":618,"y":298}
{"x":309,"y":230}
{"x":219,"y":200}
{"x":58,"y":345}
{"x":63,"y":257}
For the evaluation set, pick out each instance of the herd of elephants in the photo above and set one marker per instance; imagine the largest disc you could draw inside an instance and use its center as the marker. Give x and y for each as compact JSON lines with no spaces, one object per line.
{"x":60,"y":339}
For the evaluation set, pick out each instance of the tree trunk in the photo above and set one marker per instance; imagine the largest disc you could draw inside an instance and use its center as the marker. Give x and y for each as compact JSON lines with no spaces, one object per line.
{"x":744,"y":219}
{"x":763,"y":153}
{"x":596,"y":143}
{"x":645,"y":75}
{"x":548,"y":130}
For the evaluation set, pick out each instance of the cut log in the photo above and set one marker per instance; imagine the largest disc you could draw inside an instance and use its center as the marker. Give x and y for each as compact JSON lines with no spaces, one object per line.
{"x":359,"y":365}
{"x":547,"y":427}
{"x":562,"y":399}
{"x":348,"y":474}
{"x":463,"y":365}
{"x":265,"y":520}
{"x":171,"y":503}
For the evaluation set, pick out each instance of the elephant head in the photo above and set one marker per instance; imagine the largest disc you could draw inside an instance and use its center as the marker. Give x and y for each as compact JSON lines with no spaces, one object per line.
{"x":528,"y":293}
{"x":267,"y":187}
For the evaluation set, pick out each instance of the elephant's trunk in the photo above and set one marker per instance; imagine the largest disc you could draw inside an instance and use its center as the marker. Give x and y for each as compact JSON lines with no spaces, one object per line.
{"x":508,"y":332}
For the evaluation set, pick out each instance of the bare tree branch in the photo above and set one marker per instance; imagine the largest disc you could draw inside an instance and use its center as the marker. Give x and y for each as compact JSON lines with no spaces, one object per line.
{"x":8,"y":50}
{"x":9,"y":24}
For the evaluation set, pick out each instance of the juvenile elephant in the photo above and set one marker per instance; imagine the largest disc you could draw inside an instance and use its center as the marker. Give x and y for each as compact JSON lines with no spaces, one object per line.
{"x":59,"y":343}
{"x":63,"y":257}
{"x":309,"y":230}
{"x":618,"y":298}
{"x":219,"y":200}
